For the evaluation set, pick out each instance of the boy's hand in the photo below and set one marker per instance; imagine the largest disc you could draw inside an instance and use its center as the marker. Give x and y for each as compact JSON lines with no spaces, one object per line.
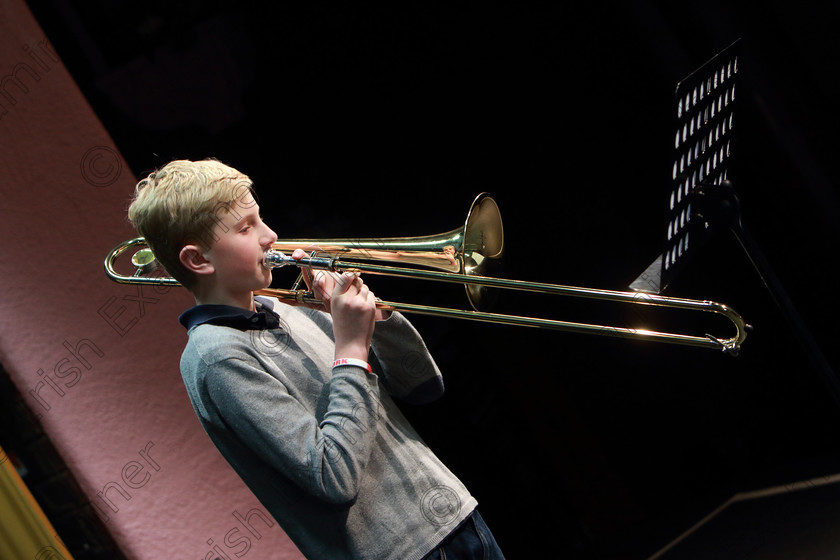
{"x":352,"y":305}
{"x":323,"y":284}
{"x":353,"y":308}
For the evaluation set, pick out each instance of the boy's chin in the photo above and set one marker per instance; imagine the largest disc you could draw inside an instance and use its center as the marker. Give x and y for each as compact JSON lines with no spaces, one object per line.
{"x":265,"y":283}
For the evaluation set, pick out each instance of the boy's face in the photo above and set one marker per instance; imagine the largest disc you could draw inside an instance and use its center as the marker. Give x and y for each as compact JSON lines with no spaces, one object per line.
{"x":237,"y":254}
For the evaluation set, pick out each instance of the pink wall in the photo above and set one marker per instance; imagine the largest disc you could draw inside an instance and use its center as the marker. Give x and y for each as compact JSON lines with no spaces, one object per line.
{"x":98,"y":362}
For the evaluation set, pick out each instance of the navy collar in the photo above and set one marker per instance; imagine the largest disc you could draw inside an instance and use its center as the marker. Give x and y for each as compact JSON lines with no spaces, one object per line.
{"x":230,"y":316}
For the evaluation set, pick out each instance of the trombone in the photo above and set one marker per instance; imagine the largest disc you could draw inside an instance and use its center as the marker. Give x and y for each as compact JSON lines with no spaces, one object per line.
{"x":464,"y":255}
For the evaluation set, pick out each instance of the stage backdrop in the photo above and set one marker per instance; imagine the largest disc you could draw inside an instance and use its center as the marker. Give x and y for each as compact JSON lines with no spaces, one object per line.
{"x":98,"y":362}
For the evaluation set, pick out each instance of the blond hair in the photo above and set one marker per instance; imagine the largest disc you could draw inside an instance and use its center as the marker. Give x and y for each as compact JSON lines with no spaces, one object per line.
{"x":182,"y":203}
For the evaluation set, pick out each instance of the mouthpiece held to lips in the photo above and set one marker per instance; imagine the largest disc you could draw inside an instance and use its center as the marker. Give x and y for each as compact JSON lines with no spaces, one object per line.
{"x":278,"y":259}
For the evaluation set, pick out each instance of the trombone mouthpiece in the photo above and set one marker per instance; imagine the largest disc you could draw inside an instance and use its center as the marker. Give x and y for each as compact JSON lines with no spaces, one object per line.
{"x":276,"y":259}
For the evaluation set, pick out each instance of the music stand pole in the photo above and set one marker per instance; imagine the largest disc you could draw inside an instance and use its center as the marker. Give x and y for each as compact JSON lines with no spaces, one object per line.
{"x":719,"y":205}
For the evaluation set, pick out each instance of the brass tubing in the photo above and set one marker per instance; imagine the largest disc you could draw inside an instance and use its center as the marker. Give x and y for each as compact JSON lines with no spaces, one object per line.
{"x":728,"y":345}
{"x":460,"y":256}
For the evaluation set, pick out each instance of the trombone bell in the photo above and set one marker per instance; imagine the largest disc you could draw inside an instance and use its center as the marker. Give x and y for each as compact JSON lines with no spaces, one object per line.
{"x":473,"y":249}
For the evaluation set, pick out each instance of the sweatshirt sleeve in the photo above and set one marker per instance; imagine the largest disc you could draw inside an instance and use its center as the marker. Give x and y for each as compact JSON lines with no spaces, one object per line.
{"x":326,"y":456}
{"x":407,"y":368}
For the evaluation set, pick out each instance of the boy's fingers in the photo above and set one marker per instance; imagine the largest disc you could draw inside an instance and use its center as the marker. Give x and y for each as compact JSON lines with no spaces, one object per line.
{"x":344,"y":282}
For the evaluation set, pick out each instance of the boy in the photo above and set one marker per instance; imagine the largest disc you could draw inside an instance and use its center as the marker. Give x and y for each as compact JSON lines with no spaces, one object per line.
{"x":298,"y":400}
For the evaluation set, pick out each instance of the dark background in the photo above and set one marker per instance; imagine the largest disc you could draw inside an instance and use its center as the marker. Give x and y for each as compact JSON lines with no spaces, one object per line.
{"x":377,"y":120}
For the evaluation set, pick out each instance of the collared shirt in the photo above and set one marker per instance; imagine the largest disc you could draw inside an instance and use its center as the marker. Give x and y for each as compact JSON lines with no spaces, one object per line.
{"x":230,"y":316}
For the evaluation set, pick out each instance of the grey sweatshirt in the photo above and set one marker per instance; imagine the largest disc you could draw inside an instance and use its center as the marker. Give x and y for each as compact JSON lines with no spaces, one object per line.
{"x":325,"y":450}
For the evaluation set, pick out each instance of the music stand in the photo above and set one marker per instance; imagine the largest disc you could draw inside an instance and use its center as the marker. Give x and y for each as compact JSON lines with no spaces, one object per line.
{"x":702,"y":200}
{"x":704,"y":106}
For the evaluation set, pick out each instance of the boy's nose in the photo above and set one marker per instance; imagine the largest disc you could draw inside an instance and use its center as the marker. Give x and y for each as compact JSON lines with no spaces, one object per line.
{"x":269,"y":236}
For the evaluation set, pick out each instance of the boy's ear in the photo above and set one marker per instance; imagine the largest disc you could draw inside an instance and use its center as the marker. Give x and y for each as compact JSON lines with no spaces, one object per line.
{"x":194,"y":260}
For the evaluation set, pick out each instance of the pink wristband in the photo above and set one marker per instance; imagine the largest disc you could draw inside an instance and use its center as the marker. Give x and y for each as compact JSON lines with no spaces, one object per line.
{"x":353,"y":362}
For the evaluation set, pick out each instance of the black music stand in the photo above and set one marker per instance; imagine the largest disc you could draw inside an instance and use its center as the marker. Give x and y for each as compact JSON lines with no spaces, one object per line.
{"x":704,"y":107}
{"x":702,"y":200}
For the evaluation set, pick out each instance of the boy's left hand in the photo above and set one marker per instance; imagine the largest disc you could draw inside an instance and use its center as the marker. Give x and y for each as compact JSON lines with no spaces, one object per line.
{"x":323,"y":283}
